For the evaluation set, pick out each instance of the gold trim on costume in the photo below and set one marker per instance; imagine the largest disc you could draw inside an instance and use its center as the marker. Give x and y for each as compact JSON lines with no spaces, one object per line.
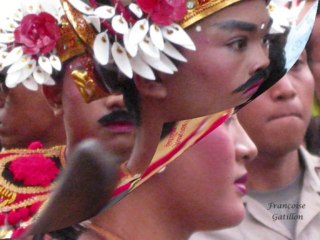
{"x":199,"y":9}
{"x":7,"y":186}
{"x":81,"y":27}
{"x":25,"y":203}
{"x":69,"y":44}
{"x":87,"y":86}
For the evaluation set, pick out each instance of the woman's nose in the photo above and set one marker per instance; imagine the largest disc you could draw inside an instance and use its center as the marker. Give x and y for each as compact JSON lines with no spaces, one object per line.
{"x":246,"y":150}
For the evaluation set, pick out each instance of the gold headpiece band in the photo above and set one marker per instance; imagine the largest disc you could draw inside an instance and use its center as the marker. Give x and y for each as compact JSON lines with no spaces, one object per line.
{"x":76,"y":34}
{"x":199,"y":9}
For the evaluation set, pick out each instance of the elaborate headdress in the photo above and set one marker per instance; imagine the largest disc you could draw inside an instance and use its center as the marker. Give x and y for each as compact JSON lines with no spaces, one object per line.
{"x":137,"y":36}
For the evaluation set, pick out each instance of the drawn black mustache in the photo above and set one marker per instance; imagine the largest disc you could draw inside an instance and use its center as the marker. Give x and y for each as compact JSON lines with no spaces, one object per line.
{"x":117,"y":115}
{"x":263,"y":74}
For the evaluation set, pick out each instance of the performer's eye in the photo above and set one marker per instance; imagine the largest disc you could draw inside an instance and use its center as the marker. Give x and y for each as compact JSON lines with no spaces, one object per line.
{"x":238,"y":44}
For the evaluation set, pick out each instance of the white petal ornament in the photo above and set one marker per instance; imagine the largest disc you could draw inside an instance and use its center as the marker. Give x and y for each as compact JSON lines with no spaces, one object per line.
{"x":175,"y":34}
{"x":49,"y":81}
{"x":13,"y":79}
{"x":172,"y":52}
{"x":157,"y":64}
{"x":149,"y":48}
{"x":156,"y":36}
{"x":101,"y":48}
{"x":105,"y":12}
{"x":31,"y":8}
{"x":9,"y":25}
{"x":136,"y":10}
{"x":3,"y":56}
{"x":21,"y":63}
{"x":39,"y":75}
{"x":120,"y":25}
{"x":45,"y":64}
{"x":142,"y":68}
{"x":166,"y":61}
{"x":30,"y":84}
{"x":28,"y":69}
{"x":121,"y":59}
{"x":55,"y":62}
{"x":13,"y":56}
{"x":3,"y":47}
{"x":6,"y":37}
{"x":17,"y":15}
{"x":138,"y":32}
{"x":132,"y":50}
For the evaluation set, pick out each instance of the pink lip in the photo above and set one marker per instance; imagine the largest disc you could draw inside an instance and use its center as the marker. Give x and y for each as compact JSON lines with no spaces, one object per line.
{"x":240,"y":183}
{"x":250,"y":91}
{"x":120,"y":127}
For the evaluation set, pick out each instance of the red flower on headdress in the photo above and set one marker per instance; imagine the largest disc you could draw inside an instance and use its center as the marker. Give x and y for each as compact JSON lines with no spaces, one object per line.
{"x":37,"y":33}
{"x":164,"y":12}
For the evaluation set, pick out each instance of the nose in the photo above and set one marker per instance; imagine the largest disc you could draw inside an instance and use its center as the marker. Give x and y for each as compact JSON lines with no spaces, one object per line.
{"x":114,"y":101}
{"x":283,"y":89}
{"x":246,"y":150}
{"x":260,"y":59}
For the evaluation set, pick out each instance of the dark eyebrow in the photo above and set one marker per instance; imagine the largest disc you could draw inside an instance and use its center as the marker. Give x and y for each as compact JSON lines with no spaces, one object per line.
{"x":240,"y":25}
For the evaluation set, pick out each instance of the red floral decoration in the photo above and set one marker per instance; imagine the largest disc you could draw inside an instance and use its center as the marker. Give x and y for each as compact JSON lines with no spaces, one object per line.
{"x":34,"y":170}
{"x":35,"y":145}
{"x":164,"y":12}
{"x":38,"y":34}
{"x":18,"y":232}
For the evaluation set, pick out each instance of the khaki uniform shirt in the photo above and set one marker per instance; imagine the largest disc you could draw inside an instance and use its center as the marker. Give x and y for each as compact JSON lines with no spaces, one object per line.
{"x":259,"y":223}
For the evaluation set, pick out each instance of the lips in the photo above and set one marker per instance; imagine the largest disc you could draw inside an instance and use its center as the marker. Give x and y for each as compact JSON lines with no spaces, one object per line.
{"x":285,"y":113}
{"x":240,"y":183}
{"x":258,"y":77}
{"x":118,"y":121}
{"x":253,"y":89}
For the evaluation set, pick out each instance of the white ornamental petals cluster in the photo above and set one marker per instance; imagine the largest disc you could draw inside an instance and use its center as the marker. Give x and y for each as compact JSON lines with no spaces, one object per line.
{"x":23,"y":68}
{"x":145,"y":46}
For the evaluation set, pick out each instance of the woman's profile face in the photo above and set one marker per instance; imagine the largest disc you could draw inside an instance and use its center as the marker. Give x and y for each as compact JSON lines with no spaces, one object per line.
{"x":207,"y":182}
{"x":232,"y":47}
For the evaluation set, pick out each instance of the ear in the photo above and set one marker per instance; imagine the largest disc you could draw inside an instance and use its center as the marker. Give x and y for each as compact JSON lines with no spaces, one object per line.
{"x":150,"y":88}
{"x":54,"y":97}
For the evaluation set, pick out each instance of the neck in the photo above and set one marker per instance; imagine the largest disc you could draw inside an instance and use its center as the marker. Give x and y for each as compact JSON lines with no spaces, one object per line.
{"x":147,"y":139}
{"x":144,"y":214}
{"x":55,"y":140}
{"x":272,"y":172}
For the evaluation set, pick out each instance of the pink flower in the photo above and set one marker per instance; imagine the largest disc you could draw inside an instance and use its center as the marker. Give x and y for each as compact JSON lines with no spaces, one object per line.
{"x":37,"y":33}
{"x":164,"y":12}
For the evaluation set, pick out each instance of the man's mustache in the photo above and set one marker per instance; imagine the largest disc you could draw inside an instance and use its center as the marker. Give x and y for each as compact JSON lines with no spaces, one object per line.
{"x":263,"y":74}
{"x":117,"y":115}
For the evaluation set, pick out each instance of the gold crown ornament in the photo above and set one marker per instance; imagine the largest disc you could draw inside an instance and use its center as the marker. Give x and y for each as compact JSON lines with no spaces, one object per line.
{"x":137,"y":36}
{"x":199,"y":9}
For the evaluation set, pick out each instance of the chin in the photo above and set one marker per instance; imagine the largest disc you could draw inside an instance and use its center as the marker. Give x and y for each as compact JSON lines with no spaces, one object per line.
{"x":233,"y":217}
{"x":229,"y":216}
